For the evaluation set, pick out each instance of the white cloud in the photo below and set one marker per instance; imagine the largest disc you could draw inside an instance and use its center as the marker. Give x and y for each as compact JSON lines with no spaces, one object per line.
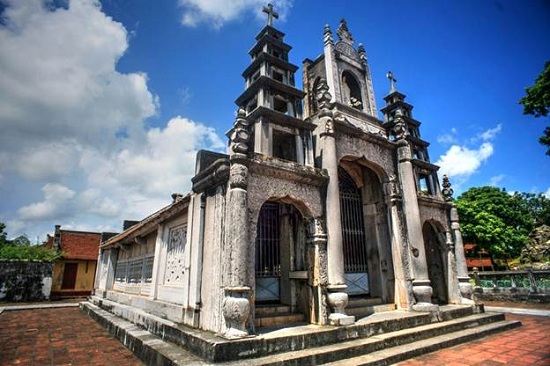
{"x":547,"y":193}
{"x":495,"y":181}
{"x":462,"y":161}
{"x":56,"y":198}
{"x":448,"y":138}
{"x":218,"y":12}
{"x":63,"y":103}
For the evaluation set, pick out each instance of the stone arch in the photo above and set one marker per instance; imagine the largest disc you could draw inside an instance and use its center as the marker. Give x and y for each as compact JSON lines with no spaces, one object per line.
{"x":280,"y":247}
{"x":351,"y":90}
{"x":369,"y":180}
{"x":436,"y":260}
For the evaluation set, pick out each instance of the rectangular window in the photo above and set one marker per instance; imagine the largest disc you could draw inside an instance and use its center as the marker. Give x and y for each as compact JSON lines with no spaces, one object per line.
{"x":284,"y":145}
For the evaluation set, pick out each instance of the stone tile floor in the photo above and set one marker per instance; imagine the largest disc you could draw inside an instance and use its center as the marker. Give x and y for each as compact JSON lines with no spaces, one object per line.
{"x":523,"y":346}
{"x":66,"y":336}
{"x":58,"y":336}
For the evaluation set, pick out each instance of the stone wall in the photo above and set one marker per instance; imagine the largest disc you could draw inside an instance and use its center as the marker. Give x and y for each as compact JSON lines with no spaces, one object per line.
{"x":25,"y":280}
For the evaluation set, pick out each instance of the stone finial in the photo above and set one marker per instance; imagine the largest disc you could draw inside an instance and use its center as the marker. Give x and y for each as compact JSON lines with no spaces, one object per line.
{"x":344,"y":33}
{"x":271,"y":14}
{"x":240,"y":135}
{"x":322,"y":94}
{"x":393,"y":80}
{"x":327,"y":35}
{"x":362,"y":53}
{"x":176,"y":197}
{"x":447,"y":190}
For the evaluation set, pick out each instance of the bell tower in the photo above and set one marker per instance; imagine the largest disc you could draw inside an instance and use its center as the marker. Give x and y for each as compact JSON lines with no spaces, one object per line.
{"x":272,"y":103}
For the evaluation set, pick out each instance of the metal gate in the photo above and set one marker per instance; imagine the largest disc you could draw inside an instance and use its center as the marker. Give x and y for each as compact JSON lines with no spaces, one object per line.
{"x":353,"y":233}
{"x":268,"y":253}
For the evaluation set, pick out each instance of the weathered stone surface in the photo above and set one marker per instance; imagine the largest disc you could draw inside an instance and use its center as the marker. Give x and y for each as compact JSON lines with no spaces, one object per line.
{"x":25,"y":280}
{"x":537,"y":251}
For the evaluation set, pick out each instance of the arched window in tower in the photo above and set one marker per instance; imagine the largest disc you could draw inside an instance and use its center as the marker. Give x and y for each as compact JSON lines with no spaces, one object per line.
{"x":351,"y":91}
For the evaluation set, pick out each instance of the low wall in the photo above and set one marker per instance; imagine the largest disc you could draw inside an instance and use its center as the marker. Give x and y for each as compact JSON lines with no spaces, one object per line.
{"x":517,"y":286}
{"x":23,"y":280}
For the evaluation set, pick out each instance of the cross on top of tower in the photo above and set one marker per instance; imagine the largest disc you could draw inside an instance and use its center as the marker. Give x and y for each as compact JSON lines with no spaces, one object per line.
{"x":393,"y":80}
{"x":270,"y":14}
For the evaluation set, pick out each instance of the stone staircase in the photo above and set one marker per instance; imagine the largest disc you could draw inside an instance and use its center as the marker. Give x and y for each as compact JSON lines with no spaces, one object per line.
{"x":363,"y":307}
{"x":382,"y":338}
{"x":276,"y":316}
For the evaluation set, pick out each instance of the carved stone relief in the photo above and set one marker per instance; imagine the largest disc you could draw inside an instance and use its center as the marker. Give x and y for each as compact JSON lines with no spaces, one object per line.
{"x":175,"y":266}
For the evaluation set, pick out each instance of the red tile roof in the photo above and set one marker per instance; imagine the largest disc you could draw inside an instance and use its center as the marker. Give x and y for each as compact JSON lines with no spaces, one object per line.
{"x":77,"y":244}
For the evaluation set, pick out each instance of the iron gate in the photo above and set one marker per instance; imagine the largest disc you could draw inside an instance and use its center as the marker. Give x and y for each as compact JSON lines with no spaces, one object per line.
{"x":353,"y":235}
{"x":268,"y":253}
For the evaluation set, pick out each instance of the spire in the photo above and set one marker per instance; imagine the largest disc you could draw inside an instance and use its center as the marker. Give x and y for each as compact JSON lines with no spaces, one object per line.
{"x":344,"y":33}
{"x":270,"y":14}
{"x":393,"y":80}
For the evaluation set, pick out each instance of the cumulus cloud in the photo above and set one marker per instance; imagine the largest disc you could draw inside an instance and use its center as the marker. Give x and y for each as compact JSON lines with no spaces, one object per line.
{"x":74,"y":148}
{"x":461,"y":161}
{"x":218,"y":12}
{"x":495,"y":181}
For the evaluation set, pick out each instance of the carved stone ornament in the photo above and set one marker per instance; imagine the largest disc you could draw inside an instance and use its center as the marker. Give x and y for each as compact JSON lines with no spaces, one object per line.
{"x":240,"y":135}
{"x":322,"y":94}
{"x":238,"y":176}
{"x":393,"y":187}
{"x":344,"y":33}
{"x":447,"y":191}
{"x":400,"y":130}
{"x":316,"y":227}
{"x":235,"y":312}
{"x":327,"y":35}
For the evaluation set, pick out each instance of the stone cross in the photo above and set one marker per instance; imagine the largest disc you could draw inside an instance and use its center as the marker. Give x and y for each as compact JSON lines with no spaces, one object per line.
{"x":270,"y":14}
{"x":393,"y":80}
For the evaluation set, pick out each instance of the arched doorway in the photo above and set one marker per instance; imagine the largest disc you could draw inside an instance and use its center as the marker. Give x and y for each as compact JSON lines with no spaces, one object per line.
{"x":280,"y":254}
{"x":368,"y":264}
{"x":436,"y":264}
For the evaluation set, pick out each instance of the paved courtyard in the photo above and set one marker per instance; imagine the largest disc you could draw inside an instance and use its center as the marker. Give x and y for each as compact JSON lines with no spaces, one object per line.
{"x":65,"y":336}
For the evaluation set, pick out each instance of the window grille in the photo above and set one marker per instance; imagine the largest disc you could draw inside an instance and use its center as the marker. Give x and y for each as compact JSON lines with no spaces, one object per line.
{"x":120,"y":271}
{"x":268,"y":262}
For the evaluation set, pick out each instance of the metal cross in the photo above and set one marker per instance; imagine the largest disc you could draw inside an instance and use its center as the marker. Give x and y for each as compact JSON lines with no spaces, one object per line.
{"x":270,"y":14}
{"x":393,"y":80}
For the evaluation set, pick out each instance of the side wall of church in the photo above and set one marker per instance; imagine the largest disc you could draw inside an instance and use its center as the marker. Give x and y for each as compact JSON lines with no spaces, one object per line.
{"x":213,"y":259}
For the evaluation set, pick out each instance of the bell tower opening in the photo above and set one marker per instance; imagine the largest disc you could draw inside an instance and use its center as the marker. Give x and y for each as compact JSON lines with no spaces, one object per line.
{"x":351,"y":91}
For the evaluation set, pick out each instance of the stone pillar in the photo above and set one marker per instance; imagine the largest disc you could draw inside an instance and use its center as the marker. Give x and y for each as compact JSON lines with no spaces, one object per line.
{"x":317,"y":273}
{"x":236,"y":307}
{"x":337,"y":297}
{"x":465,"y":287}
{"x":421,"y":282}
{"x":330,"y":63}
{"x":404,"y":298}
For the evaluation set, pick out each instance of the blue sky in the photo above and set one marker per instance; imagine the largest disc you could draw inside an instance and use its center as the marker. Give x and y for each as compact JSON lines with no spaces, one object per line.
{"x":104,"y":104}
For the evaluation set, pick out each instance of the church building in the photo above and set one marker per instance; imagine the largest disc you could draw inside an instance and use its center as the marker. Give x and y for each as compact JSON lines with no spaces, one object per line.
{"x":319,"y":212}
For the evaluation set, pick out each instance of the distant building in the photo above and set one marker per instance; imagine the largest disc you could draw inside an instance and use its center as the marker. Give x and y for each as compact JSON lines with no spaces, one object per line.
{"x":479,"y":258}
{"x":74,"y":273}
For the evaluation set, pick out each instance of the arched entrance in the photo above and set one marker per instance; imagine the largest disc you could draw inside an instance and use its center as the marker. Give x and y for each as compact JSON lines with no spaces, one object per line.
{"x":280,"y":256}
{"x":368,"y":268}
{"x":436,"y":264}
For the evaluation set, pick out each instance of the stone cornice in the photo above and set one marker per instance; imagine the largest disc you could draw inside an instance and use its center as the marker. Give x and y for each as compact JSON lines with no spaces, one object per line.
{"x":273,"y":167}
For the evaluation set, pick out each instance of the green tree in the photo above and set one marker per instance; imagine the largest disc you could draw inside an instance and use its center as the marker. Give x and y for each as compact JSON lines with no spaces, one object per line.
{"x":495,"y":220}
{"x":537,"y":101}
{"x":3,"y":234}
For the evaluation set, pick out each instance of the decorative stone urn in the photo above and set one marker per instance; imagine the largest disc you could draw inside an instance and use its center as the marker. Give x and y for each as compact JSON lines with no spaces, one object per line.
{"x":235,"y":310}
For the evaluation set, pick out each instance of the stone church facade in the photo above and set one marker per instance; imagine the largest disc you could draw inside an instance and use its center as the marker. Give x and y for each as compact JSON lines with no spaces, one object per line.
{"x":317,"y":205}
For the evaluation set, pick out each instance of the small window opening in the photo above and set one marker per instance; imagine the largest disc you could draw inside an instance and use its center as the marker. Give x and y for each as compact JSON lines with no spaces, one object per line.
{"x":284,"y":145}
{"x":278,"y":76}
{"x":424,"y":185}
{"x":280,"y":105}
{"x":352,"y":91}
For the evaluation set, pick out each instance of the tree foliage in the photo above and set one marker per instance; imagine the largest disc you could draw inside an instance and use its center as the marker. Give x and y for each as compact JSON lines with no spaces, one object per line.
{"x":21,"y":248}
{"x":501,"y":222}
{"x":537,"y":101}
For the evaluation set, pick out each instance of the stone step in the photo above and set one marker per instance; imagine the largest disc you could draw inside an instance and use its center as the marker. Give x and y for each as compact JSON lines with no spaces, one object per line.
{"x":267,"y":310}
{"x":407,"y":351}
{"x":357,"y":351}
{"x":274,"y":320}
{"x":355,"y":302}
{"x":361,"y":312}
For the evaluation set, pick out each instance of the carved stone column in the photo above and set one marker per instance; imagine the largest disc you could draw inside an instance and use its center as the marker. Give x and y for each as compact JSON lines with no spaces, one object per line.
{"x":404,"y":298}
{"x":317,"y":273}
{"x":422,"y":289}
{"x":236,"y":304}
{"x":337,"y":297}
{"x":465,"y":287}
